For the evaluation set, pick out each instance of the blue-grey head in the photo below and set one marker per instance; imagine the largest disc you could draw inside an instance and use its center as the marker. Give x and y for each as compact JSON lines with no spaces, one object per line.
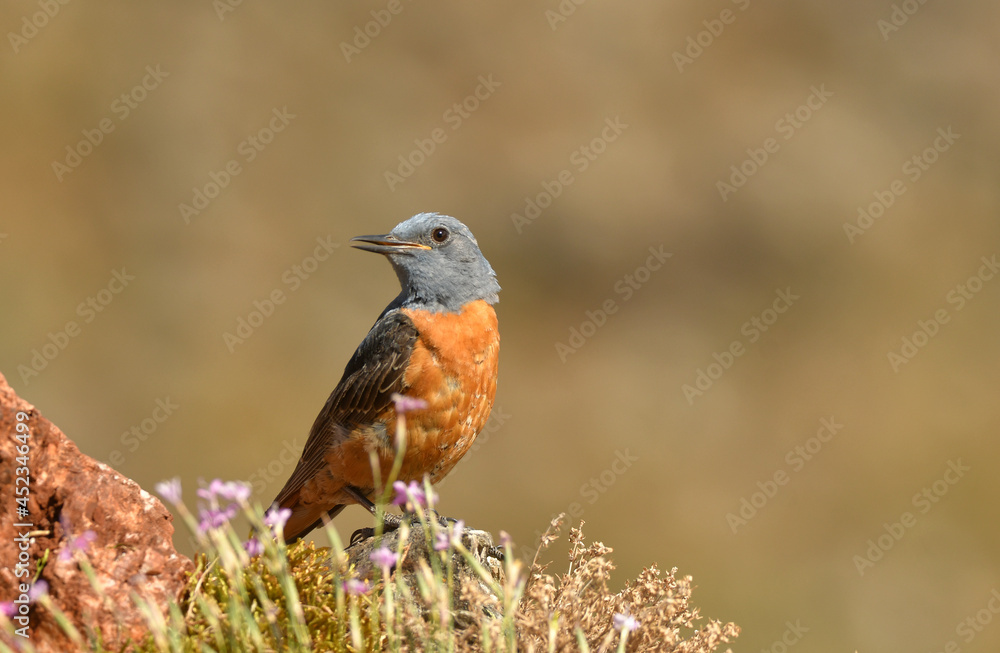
{"x":438,"y":262}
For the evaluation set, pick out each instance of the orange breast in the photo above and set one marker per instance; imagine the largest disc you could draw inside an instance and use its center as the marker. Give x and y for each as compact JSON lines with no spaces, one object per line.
{"x":453,"y":368}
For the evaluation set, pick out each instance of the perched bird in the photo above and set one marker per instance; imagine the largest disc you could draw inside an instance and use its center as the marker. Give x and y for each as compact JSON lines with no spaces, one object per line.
{"x":437,"y":341}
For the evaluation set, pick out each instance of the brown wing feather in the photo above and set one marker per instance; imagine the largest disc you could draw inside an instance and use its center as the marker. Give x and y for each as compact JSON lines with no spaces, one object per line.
{"x":372,"y":375}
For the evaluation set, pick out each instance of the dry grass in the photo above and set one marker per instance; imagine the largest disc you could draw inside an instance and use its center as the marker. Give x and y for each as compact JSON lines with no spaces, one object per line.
{"x":557,"y":613}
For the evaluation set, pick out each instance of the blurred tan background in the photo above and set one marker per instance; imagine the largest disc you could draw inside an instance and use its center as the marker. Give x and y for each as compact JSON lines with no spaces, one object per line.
{"x":664,"y":101}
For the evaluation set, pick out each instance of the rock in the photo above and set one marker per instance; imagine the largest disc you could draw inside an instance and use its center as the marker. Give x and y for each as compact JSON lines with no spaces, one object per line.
{"x":131,"y":549}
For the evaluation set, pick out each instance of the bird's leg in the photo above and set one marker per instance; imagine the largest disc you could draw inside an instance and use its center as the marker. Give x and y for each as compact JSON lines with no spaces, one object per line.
{"x":390,"y":522}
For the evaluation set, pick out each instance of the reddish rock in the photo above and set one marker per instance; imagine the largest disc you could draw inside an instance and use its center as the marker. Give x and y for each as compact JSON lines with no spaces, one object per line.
{"x":131,"y":549}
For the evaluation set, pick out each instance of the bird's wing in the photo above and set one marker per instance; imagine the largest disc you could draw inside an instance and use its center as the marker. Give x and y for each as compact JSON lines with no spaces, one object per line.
{"x":364,"y":393}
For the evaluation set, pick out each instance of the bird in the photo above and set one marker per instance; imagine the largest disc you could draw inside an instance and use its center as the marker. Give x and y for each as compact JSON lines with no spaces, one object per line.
{"x":438,"y":341}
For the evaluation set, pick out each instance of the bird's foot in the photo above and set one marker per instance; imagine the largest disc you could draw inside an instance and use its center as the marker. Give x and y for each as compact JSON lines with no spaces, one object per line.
{"x":390,"y":523}
{"x":433,"y":515}
{"x":496,"y":552}
{"x":361,"y":535}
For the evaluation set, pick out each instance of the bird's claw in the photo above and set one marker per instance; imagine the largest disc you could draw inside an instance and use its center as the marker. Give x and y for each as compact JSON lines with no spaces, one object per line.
{"x":361,"y":535}
{"x":390,"y":523}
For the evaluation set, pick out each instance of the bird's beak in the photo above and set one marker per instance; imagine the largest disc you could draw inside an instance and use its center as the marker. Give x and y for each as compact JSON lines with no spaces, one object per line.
{"x":385,"y":244}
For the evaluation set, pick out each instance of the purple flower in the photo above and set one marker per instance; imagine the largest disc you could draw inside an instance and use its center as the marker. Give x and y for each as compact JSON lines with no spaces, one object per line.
{"x":504,"y":538}
{"x":214,"y":515}
{"x":253,"y":547}
{"x":170,"y":490}
{"x":277,"y":517}
{"x":411,"y":495}
{"x":404,"y":492}
{"x":406,"y":404}
{"x":73,"y":544}
{"x":384,"y":557}
{"x":229,"y":490}
{"x":80,"y":543}
{"x":625,"y":622}
{"x":443,"y":540}
{"x":210,"y":518}
{"x":38,"y":589}
{"x":354,"y":586}
{"x":237,"y":491}
{"x":211,"y":492}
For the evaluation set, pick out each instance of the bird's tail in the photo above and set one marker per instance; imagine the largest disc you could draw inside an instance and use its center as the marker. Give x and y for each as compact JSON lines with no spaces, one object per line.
{"x":305,"y":518}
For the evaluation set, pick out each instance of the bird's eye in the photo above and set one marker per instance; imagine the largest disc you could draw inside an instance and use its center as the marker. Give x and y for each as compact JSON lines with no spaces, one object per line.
{"x":440,"y":234}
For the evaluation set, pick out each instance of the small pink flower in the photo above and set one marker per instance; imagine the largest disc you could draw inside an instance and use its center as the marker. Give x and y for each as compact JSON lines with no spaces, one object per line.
{"x":411,"y":495}
{"x":504,"y":538}
{"x":444,"y":541}
{"x":212,"y":518}
{"x":253,"y":547}
{"x":170,"y":490}
{"x":210,"y":492}
{"x":406,"y":404}
{"x":355,"y":586}
{"x":384,"y":557}
{"x":73,"y":544}
{"x":237,"y":491}
{"x":80,"y":543}
{"x":625,"y":622}
{"x":39,"y":589}
{"x":277,"y":517}
{"x":406,"y":494}
{"x":441,"y":542}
